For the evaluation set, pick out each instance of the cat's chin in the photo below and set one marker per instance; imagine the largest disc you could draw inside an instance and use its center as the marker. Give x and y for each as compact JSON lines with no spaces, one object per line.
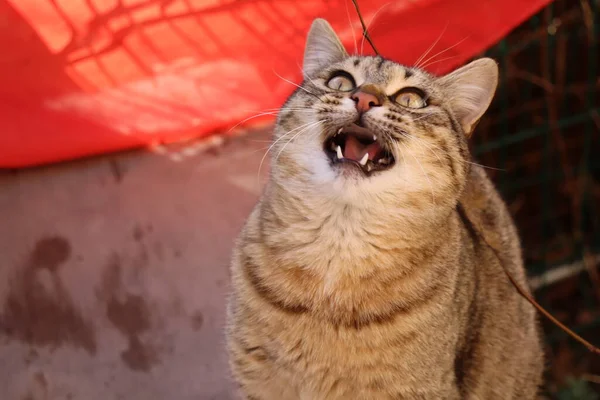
{"x":353,"y":148}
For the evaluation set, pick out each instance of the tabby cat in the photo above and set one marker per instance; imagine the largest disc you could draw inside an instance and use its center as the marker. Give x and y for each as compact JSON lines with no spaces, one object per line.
{"x":372,"y":266}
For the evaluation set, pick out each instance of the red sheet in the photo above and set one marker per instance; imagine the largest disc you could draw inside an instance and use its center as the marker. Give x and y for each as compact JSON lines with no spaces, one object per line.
{"x":84,"y":77}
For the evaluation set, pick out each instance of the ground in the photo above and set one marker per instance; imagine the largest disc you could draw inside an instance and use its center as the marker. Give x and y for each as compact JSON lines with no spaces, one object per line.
{"x":114,"y":272}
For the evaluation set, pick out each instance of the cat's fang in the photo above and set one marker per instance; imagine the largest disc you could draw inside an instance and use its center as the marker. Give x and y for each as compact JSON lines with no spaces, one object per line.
{"x":364,"y":160}
{"x":339,"y":153}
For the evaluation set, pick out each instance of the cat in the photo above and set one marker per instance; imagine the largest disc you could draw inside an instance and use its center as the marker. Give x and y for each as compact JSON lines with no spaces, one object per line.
{"x":372,"y":265}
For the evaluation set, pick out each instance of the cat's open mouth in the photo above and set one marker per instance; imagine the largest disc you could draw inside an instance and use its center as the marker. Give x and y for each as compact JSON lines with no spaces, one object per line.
{"x":360,"y":147}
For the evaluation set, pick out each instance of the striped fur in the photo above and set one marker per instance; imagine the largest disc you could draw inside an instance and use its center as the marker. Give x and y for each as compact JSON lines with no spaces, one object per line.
{"x":389,"y":286}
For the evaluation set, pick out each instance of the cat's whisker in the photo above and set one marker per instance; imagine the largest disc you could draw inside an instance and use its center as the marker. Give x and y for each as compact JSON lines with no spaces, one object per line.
{"x":405,"y":134}
{"x":390,"y":133}
{"x":433,"y":146}
{"x":437,"y":61}
{"x":260,"y":149}
{"x":262,"y":160}
{"x":302,"y":72}
{"x":298,"y":109}
{"x":259,"y":141}
{"x":262,"y":114}
{"x":351,"y":29}
{"x":311,"y":81}
{"x":422,"y":142}
{"x":273,"y":112}
{"x":362,"y":42}
{"x":485,"y":166}
{"x":301,"y":109}
{"x":445,"y":50}
{"x":416,"y":64}
{"x":426,"y":115}
{"x":403,"y":161}
{"x":295,"y":84}
{"x":312,"y":125}
{"x":426,"y":177}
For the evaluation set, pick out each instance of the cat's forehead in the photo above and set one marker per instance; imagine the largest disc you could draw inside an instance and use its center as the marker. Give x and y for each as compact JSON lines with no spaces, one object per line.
{"x":387,"y":74}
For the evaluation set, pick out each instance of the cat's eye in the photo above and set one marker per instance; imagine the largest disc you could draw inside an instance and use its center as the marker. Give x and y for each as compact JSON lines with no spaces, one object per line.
{"x":411,"y":98}
{"x":342,"y":81}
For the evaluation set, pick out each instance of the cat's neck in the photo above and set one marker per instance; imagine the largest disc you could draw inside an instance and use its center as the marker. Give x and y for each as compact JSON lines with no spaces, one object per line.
{"x":317,"y":230}
{"x":348,"y":261}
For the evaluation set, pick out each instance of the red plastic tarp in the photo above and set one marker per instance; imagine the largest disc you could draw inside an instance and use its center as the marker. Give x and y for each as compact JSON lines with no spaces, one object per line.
{"x":84,"y":77}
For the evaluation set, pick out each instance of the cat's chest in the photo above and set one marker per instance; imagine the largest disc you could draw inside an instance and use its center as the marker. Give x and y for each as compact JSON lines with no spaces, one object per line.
{"x":342,"y":238}
{"x":337,"y":250}
{"x":334,"y":250}
{"x":340,"y":364}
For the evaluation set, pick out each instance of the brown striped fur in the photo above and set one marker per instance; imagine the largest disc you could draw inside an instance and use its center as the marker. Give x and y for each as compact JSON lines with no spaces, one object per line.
{"x":389,"y":286}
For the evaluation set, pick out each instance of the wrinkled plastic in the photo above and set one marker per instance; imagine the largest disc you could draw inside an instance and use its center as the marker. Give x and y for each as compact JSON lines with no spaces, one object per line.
{"x":85,"y":77}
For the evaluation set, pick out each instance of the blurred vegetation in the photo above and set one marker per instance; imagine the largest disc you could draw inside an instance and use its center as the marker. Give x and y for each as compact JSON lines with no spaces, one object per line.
{"x":541,"y":138}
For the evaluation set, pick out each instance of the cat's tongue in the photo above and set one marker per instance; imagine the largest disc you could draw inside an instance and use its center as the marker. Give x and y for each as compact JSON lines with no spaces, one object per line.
{"x":355,"y":150}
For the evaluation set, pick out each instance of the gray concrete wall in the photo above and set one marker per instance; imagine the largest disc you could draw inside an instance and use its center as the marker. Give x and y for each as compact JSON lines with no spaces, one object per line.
{"x":114,"y":273}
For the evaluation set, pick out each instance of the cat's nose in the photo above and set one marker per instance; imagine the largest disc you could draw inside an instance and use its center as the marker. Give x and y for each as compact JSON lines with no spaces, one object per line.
{"x":365,"y":100}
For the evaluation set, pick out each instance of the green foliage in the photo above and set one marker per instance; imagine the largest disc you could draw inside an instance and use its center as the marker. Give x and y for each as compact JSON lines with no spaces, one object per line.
{"x":577,"y":389}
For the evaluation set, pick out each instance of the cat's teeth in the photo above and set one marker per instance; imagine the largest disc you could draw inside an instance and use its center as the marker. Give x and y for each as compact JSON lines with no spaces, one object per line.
{"x":339,"y":131}
{"x":338,"y":150}
{"x":374,"y":138}
{"x":363,"y":161}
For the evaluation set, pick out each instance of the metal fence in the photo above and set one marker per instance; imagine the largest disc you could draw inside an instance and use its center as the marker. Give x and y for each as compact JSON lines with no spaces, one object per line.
{"x":542,"y":137}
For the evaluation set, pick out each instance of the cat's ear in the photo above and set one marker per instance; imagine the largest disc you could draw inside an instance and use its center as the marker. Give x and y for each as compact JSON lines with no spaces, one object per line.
{"x":471,"y":89}
{"x":323,"y":48}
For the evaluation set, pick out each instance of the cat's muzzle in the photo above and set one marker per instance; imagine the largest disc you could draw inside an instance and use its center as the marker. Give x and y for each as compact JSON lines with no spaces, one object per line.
{"x":358,"y":146}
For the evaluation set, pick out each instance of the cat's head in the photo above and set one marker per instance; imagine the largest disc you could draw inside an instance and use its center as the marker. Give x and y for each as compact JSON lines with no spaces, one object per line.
{"x":363,"y":128}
